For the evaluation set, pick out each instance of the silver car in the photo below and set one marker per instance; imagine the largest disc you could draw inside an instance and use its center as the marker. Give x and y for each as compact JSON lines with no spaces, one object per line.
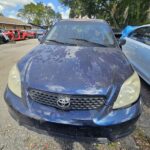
{"x":137,"y":50}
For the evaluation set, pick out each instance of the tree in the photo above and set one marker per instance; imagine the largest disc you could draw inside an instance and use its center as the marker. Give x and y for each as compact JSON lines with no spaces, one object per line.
{"x":133,"y":12}
{"x":118,"y":13}
{"x":38,"y":14}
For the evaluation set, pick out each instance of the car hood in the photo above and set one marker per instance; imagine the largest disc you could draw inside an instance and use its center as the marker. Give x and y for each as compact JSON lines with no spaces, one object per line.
{"x":74,"y":70}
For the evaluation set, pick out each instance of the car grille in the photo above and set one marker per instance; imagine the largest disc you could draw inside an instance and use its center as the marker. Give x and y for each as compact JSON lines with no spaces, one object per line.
{"x":73,"y":102}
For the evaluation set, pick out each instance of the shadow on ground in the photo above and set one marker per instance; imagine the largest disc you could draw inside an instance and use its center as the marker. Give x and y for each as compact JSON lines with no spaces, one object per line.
{"x":67,"y":144}
{"x":145,"y":92}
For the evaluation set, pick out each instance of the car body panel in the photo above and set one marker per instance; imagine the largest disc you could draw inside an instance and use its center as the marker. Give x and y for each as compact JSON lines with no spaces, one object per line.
{"x":92,"y":76}
{"x":67,"y":69}
{"x":138,"y":54}
{"x":89,"y":70}
{"x":76,"y":125}
{"x":77,"y":118}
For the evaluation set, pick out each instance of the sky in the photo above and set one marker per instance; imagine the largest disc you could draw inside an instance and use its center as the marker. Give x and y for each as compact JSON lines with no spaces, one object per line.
{"x":10,"y":7}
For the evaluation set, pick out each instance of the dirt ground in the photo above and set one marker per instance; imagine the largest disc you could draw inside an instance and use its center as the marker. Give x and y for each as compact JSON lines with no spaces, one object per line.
{"x":15,"y":137}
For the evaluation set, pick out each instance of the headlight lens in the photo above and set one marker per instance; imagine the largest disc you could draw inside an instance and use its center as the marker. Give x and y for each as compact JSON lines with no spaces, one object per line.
{"x":14,"y":81}
{"x":129,"y":92}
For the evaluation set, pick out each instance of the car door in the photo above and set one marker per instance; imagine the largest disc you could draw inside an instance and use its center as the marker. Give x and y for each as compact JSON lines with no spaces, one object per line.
{"x":137,"y":50}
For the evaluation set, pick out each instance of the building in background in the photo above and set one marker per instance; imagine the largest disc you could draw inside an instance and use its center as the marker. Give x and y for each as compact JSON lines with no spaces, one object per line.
{"x":11,"y":23}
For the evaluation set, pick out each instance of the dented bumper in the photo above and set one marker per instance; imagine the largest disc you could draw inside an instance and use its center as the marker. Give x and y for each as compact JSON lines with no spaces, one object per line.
{"x":109,"y":127}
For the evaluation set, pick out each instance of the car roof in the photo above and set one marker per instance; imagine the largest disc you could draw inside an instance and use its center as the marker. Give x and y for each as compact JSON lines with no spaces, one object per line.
{"x":83,"y":20}
{"x":146,"y":25}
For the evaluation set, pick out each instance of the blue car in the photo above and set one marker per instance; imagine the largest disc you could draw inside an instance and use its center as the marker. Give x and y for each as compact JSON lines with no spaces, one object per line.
{"x":76,"y":83}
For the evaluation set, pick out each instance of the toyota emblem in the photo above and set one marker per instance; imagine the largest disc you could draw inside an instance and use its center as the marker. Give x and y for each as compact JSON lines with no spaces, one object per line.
{"x":63,"y":102}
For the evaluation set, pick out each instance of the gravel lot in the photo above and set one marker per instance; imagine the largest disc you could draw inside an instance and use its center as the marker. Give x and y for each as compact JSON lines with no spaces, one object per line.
{"x":15,"y":137}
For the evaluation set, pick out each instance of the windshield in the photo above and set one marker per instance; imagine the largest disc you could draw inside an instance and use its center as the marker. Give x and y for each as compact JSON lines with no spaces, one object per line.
{"x":81,"y":33}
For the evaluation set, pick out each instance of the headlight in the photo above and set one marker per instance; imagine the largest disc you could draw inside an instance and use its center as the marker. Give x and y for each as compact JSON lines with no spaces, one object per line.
{"x":129,"y":92}
{"x":14,"y":81}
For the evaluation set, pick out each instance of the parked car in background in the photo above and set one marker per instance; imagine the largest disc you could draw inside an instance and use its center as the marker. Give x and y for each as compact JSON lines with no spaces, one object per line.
{"x":31,"y":34}
{"x":137,"y":50}
{"x":39,"y":32}
{"x":76,"y":83}
{"x":20,"y":35}
{"x":9,"y":33}
{"x":16,"y":35}
{"x":3,"y":38}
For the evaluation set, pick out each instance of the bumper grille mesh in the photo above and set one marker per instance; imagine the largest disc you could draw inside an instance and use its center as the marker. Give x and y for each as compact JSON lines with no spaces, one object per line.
{"x":77,"y":102}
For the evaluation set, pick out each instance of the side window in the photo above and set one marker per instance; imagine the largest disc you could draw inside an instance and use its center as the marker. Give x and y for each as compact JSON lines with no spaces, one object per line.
{"x":141,"y":35}
{"x":147,"y":35}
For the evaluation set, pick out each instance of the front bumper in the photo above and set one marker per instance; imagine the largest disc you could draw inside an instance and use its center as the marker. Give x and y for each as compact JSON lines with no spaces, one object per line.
{"x":110,"y":127}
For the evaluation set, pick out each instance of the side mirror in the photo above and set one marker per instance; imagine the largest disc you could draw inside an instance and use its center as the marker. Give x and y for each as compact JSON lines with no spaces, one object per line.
{"x":40,"y":38}
{"x":122,"y":42}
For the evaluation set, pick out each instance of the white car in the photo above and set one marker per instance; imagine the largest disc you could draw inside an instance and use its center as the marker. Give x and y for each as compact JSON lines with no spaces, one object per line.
{"x":137,"y":50}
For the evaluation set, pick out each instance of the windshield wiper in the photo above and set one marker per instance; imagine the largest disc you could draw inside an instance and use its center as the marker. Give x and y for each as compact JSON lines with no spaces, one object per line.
{"x":59,"y":42}
{"x":84,"y":40}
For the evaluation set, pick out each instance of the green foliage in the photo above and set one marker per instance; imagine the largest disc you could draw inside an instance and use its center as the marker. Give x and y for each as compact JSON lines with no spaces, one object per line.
{"x":118,"y":13}
{"x":133,"y":12}
{"x":38,"y":14}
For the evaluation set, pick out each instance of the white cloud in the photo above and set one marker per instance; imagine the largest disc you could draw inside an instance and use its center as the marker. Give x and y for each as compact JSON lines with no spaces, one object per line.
{"x":10,"y":7}
{"x":14,"y":3}
{"x":1,"y":8}
{"x":51,"y":5}
{"x":13,"y":14}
